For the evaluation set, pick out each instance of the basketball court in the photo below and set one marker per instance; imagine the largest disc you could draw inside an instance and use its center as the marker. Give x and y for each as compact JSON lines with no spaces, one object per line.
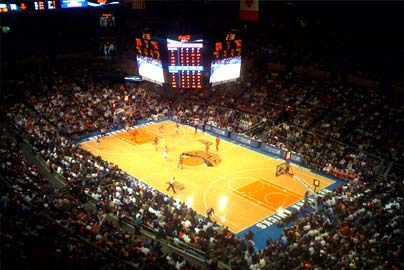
{"x":239,"y":183}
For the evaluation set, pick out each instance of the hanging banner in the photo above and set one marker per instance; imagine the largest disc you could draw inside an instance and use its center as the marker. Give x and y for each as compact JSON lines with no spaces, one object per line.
{"x":249,"y":10}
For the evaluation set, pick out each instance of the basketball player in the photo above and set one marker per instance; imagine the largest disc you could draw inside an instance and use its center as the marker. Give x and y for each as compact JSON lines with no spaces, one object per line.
{"x":196,"y":125}
{"x":217,"y":143}
{"x":97,"y":142}
{"x":165,"y":152}
{"x":181,"y":162}
{"x":207,"y":147}
{"x":134,"y":133}
{"x":177,"y":126}
{"x":161,"y":129}
{"x":156,"y":142}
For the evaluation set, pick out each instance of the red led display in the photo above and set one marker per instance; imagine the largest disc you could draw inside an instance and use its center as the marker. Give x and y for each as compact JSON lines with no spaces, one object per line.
{"x":185,"y":65}
{"x":229,"y":47}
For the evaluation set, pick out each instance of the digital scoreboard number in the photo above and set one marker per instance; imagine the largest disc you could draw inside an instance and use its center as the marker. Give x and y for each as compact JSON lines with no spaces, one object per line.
{"x":28,"y":6}
{"x":147,"y":46}
{"x":230,"y":47}
{"x":185,"y":66}
{"x":44,"y":5}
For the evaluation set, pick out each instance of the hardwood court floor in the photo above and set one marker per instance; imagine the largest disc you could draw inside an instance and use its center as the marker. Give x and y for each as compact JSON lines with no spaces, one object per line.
{"x":242,"y":188}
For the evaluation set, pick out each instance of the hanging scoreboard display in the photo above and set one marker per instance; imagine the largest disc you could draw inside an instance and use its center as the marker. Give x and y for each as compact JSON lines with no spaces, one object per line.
{"x":7,"y":6}
{"x":226,"y":62}
{"x":185,"y":66}
{"x":147,"y":46}
{"x":230,"y":47}
{"x":11,"y":6}
{"x":148,"y":59}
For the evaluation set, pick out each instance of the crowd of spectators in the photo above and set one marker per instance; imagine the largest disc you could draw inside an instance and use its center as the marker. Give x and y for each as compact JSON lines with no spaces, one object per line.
{"x":30,"y":238}
{"x":42,"y":228}
{"x":361,"y":117}
{"x":357,"y":227}
{"x":115,"y":193}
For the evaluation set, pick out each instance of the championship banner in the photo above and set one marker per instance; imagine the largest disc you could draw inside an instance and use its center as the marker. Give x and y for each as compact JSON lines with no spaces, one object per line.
{"x":249,"y":10}
{"x":139,"y":4}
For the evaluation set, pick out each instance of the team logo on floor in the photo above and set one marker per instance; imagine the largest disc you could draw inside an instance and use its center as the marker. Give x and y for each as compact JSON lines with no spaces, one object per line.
{"x":198,"y":157}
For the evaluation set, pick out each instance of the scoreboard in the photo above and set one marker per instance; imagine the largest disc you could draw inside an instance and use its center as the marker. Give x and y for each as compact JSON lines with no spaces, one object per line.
{"x":12,"y":6}
{"x":7,"y":6}
{"x":229,"y":47}
{"x":147,"y":46}
{"x":148,"y":58}
{"x":185,"y":66}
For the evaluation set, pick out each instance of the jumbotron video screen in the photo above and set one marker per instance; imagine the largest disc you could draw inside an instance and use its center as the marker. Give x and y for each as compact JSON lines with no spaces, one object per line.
{"x":148,"y":58}
{"x":226,"y":64}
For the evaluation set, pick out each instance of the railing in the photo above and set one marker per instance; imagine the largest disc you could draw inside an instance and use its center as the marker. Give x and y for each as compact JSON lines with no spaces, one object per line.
{"x":378,"y":167}
{"x":179,"y":246}
{"x":188,"y":249}
{"x":387,"y":171}
{"x":259,"y":125}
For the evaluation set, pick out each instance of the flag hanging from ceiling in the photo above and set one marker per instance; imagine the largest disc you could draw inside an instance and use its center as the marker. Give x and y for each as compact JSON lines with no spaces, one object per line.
{"x":139,"y":4}
{"x":249,"y":10}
